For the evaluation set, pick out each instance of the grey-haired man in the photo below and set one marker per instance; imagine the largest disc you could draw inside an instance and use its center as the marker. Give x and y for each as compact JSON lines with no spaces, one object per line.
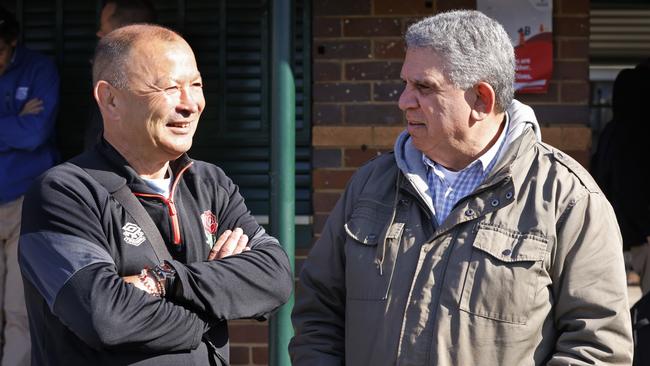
{"x":474,"y":243}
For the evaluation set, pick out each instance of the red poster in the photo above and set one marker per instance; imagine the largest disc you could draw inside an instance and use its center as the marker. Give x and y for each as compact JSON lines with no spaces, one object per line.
{"x":529,"y":25}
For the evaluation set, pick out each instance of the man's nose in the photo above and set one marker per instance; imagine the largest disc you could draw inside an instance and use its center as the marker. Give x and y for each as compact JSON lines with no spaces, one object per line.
{"x":407,"y":100}
{"x":189,"y":102}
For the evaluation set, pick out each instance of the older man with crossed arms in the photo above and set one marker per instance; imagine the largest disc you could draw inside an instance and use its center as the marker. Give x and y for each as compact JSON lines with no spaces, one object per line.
{"x":96,"y":289}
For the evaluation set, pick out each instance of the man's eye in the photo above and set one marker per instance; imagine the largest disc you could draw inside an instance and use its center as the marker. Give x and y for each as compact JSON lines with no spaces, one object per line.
{"x":198,"y":84}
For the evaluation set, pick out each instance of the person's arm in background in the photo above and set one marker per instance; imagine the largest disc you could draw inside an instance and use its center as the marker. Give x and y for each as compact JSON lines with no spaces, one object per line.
{"x":29,"y":128}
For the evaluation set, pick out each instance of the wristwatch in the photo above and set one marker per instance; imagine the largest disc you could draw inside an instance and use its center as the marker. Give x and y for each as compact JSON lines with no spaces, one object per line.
{"x":164,"y":275}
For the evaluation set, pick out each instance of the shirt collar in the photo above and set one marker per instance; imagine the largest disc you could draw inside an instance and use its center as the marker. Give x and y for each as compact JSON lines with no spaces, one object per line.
{"x":484,"y":159}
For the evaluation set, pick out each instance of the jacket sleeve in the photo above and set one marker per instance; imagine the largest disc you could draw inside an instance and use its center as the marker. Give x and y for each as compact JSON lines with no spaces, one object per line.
{"x":63,"y":255}
{"x":319,"y":313}
{"x":30,"y":131}
{"x":247,"y":285}
{"x":591,"y":308}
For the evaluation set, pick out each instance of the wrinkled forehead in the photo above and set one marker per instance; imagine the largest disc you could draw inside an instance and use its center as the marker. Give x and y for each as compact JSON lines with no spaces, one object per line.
{"x":161,"y":59}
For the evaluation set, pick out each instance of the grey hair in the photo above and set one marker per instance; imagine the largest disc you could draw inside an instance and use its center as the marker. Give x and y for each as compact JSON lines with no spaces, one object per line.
{"x":113,"y":51}
{"x":473,"y":47}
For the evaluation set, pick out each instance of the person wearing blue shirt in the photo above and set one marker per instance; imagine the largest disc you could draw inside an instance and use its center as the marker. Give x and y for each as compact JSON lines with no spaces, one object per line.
{"x":29,"y":92}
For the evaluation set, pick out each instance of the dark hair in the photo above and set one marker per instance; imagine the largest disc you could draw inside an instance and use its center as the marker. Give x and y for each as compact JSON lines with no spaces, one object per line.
{"x":9,"y":26}
{"x":132,"y":12}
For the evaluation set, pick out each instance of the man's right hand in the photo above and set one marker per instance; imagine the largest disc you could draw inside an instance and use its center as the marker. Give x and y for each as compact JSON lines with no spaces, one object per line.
{"x":33,"y":106}
{"x":229,"y":243}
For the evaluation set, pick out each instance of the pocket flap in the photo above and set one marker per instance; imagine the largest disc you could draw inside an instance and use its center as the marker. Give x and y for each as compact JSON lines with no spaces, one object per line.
{"x":368,"y":221}
{"x":510,"y":246}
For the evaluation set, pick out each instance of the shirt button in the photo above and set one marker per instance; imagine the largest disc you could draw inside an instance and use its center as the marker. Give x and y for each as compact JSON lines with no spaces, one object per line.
{"x":506,"y":252}
{"x":494,"y":203}
{"x":452,"y":195}
{"x":469,"y":212}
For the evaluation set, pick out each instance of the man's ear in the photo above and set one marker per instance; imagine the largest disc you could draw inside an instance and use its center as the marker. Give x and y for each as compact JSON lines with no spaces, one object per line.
{"x":106,"y":97}
{"x":485,"y":100}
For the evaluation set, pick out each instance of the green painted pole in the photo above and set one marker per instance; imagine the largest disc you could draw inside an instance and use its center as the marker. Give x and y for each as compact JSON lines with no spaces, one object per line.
{"x":283,"y":165}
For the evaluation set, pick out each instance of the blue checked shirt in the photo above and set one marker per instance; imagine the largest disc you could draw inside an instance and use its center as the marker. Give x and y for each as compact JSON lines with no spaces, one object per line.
{"x":447,"y":188}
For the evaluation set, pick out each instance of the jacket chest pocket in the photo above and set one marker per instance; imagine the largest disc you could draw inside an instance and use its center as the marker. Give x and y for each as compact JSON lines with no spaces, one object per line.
{"x":370,"y":261}
{"x":503,"y":274}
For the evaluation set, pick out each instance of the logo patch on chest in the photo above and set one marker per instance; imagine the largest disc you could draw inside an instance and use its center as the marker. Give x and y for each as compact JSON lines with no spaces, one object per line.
{"x":133,"y":234}
{"x":22,"y":92}
{"x":210,"y":225}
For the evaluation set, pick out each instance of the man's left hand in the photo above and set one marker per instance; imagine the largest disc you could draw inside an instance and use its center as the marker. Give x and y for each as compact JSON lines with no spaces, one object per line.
{"x":33,"y":106}
{"x":229,"y":243}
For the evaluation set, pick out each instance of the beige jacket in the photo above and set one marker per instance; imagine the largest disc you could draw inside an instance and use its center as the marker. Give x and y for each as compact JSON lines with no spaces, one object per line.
{"x":527,"y":270}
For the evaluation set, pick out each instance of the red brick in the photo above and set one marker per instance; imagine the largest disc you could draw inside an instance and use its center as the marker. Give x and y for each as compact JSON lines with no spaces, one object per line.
{"x":327,"y":114}
{"x":341,"y":7}
{"x":240,"y":355}
{"x":373,"y":114}
{"x":342,"y":50}
{"x":326,"y":27}
{"x":582,"y":156}
{"x":387,"y":91}
{"x":260,"y":356}
{"x":389,"y":48}
{"x":330,"y":179}
{"x":373,"y":70}
{"x":445,"y":5}
{"x":357,"y":157}
{"x":341,"y":92}
{"x":326,"y":158}
{"x":324,"y":201}
{"x":247,"y":332}
{"x":573,"y":48}
{"x":575,"y":92}
{"x":551,"y":96}
{"x":571,"y":26}
{"x":339,"y":136}
{"x":574,"y":7}
{"x":302,"y":253}
{"x":372,"y":27}
{"x":571,"y":70}
{"x":326,"y":71}
{"x":405,"y":7}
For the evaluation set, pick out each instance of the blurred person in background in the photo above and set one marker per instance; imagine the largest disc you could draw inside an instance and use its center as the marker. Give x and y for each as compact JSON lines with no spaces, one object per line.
{"x":29,"y":86}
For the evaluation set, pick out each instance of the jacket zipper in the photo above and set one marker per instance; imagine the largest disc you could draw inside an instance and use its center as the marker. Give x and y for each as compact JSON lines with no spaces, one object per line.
{"x":173,"y":213}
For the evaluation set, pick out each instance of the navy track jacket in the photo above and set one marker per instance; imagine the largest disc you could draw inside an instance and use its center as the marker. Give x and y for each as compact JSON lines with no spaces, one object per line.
{"x":77,"y":241}
{"x":27,"y":144}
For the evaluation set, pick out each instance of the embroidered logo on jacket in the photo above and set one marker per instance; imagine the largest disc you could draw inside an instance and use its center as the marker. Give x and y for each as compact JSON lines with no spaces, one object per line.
{"x":133,"y":234}
{"x":210,"y":225}
{"x":22,"y":92}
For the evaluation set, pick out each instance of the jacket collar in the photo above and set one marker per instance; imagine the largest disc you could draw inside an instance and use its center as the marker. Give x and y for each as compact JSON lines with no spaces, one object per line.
{"x":116,"y":171}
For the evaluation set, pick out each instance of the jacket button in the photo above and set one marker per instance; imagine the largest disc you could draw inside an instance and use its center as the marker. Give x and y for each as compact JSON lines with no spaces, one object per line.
{"x":509,"y":195}
{"x":469,"y":212}
{"x":506,"y":252}
{"x":494,"y":203}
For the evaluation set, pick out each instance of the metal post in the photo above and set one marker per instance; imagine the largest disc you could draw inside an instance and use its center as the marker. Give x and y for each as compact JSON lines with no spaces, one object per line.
{"x":283,"y":166}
